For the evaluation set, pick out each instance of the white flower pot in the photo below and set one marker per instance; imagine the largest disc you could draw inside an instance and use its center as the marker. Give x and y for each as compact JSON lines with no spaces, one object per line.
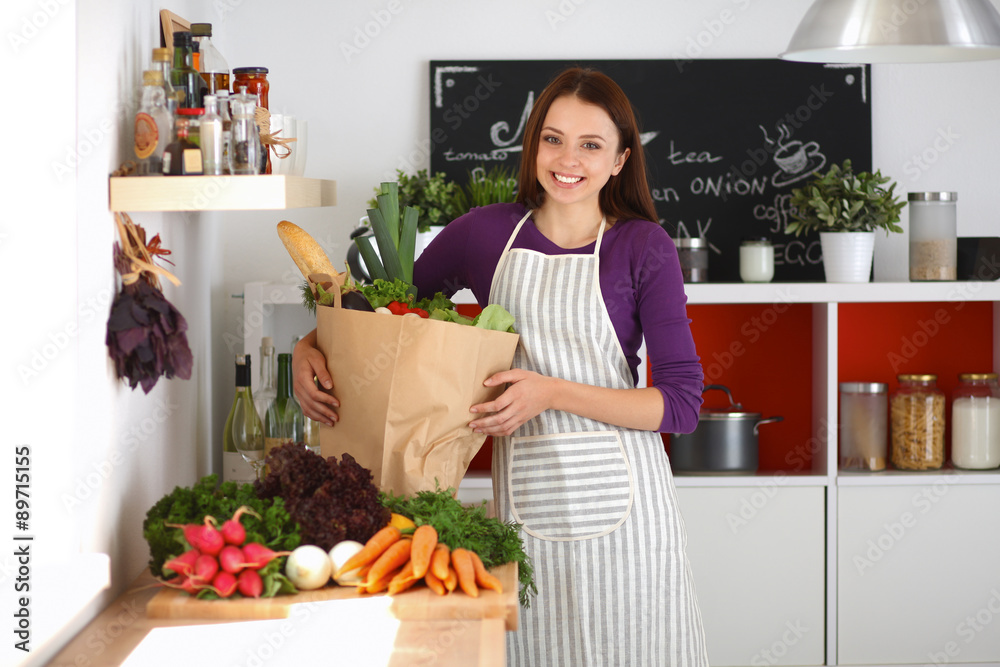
{"x":847,"y":256}
{"x":424,"y":239}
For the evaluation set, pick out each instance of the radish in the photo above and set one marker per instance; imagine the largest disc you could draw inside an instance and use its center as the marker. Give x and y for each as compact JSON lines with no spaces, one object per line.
{"x":231,"y":559}
{"x":233,"y":531}
{"x":257,"y":555}
{"x":206,"y":538}
{"x":250,"y":584}
{"x":224,"y":583}
{"x":205,"y":568}
{"x":183,"y":564}
{"x":211,"y":539}
{"x":190,"y":585}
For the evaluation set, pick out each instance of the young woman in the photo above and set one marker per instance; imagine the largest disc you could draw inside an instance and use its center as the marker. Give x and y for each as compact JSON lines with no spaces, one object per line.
{"x":577,"y":458}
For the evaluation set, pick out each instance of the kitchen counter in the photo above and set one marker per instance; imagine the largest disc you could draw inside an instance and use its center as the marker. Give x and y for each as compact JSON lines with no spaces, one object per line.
{"x":312,"y":629}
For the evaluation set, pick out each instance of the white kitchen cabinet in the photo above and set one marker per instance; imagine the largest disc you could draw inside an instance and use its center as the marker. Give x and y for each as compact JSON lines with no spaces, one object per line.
{"x":915,"y":604}
{"x":919,"y":573}
{"x":758,"y":553}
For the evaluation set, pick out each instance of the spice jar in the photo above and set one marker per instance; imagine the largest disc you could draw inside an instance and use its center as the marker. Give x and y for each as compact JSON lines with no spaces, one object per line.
{"x":756,"y":260}
{"x":864,"y":431}
{"x":916,"y":415}
{"x":933,"y":235}
{"x":975,"y":422}
{"x":693,"y":256}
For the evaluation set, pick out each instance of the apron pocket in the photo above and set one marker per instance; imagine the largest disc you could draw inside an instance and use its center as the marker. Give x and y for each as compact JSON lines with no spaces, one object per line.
{"x":569,"y":486}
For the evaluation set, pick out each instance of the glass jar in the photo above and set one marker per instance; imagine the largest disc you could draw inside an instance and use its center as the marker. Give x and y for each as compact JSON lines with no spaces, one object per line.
{"x":975,"y":422}
{"x":693,"y":256}
{"x":255,"y":79}
{"x":191,"y":119}
{"x":244,"y":142}
{"x":917,"y":421}
{"x":864,"y":411}
{"x":933,"y":236}
{"x":756,"y":260}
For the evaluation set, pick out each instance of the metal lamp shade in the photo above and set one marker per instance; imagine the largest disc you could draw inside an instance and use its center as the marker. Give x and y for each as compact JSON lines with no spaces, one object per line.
{"x":896,"y":31}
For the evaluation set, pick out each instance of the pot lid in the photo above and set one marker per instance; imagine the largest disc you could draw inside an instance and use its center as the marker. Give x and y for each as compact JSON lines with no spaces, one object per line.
{"x":719,"y":415}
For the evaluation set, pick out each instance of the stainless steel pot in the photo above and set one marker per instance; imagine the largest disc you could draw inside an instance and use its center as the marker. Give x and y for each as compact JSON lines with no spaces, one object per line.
{"x":725,"y":441}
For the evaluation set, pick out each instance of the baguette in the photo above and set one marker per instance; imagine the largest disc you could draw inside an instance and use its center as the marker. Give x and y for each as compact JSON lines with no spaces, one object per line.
{"x":305,"y":252}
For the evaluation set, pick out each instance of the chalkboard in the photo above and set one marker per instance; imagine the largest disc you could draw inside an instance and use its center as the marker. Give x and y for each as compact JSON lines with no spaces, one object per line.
{"x":726,"y":140}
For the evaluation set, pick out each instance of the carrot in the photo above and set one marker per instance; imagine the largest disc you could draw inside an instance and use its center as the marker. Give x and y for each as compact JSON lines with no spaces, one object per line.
{"x":483,"y":578}
{"x":392,"y":558}
{"x":450,"y":580}
{"x":403,"y":580}
{"x":440,"y":560}
{"x":373,"y":548}
{"x":465,"y":571}
{"x":425,"y":539}
{"x":380,"y":585}
{"x":435,"y":584}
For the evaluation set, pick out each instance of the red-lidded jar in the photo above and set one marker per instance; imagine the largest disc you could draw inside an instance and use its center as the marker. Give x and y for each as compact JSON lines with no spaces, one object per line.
{"x":255,"y":79}
{"x":917,"y":422}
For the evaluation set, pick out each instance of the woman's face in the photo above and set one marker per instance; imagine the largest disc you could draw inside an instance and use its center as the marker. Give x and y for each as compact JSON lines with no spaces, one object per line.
{"x":577,"y":151}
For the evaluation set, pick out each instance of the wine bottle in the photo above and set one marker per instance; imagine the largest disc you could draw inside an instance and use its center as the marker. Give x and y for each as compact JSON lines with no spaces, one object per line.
{"x":183,"y":75}
{"x":266,"y":389}
{"x":283,"y":422}
{"x":234,"y":467}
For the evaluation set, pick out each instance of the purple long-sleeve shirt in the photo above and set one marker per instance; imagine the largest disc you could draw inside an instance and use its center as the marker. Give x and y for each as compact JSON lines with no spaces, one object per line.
{"x":640,"y":281}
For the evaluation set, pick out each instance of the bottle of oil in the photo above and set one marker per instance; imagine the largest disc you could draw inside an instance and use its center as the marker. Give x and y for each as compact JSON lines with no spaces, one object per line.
{"x":214,"y":68}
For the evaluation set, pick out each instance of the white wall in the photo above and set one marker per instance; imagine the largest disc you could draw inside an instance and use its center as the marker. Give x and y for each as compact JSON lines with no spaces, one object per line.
{"x":102,"y":453}
{"x":368,"y":114}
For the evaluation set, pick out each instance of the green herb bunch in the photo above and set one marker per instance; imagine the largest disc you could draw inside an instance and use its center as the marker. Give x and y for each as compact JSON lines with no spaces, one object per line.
{"x":843,"y":201}
{"x":496,"y":186}
{"x":468,"y":527}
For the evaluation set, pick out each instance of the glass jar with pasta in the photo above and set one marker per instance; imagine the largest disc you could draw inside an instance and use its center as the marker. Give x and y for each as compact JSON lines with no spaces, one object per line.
{"x":917,"y":423}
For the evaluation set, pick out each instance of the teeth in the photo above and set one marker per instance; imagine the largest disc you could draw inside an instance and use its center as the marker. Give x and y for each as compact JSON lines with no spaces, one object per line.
{"x":566,"y":179}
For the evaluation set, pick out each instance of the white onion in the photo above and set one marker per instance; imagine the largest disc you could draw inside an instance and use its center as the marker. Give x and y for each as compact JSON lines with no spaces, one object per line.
{"x":308,"y":567}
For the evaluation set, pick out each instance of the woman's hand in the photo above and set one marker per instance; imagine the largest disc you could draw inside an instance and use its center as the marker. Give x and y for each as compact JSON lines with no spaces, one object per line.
{"x":528,"y":395}
{"x":308,"y":363}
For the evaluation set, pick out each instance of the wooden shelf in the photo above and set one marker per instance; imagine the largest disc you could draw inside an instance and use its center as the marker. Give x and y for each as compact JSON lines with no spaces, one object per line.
{"x":219,"y":193}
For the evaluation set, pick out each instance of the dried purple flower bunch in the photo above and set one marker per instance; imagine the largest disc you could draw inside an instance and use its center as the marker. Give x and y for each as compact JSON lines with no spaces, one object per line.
{"x":145,"y":336}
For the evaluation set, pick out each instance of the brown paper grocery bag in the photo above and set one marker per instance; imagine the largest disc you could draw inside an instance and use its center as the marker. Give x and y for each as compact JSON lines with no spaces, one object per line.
{"x":405,"y":386}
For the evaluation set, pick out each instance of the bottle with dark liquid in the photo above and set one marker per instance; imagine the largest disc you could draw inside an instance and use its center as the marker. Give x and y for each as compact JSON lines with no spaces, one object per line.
{"x":183,"y":156}
{"x":183,"y":75}
{"x":214,"y":69}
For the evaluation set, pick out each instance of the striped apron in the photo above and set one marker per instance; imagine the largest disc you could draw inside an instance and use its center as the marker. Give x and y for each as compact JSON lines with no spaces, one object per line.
{"x":596,"y":503}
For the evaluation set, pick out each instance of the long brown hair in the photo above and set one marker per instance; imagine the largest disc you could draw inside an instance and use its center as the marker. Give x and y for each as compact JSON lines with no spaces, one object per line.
{"x":624,"y":196}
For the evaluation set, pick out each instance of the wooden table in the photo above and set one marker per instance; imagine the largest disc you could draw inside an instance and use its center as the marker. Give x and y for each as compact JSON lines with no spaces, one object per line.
{"x":116,"y":632}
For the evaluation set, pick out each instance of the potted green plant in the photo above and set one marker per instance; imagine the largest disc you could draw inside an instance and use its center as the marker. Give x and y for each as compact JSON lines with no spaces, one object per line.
{"x":846,"y":208}
{"x":496,"y":186}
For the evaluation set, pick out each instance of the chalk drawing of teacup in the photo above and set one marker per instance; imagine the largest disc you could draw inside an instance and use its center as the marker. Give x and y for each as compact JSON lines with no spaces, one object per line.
{"x":793,"y":157}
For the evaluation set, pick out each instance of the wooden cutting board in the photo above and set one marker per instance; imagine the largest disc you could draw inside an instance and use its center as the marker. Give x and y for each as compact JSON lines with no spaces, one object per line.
{"x":417,"y":604}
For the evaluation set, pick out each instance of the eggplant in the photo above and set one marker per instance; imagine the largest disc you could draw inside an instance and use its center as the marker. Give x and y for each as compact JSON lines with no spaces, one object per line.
{"x":354,"y":300}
